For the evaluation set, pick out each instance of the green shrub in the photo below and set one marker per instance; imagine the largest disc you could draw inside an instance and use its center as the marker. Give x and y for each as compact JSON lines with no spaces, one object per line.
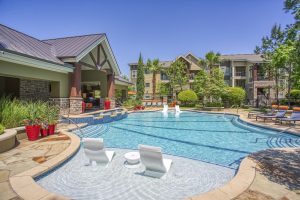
{"x":295,"y":94}
{"x":214,"y":104}
{"x":2,"y":128}
{"x":234,"y":96}
{"x":188,"y":97}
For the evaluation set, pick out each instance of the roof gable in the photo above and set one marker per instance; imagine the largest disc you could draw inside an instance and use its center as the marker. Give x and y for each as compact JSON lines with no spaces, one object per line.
{"x":21,"y":43}
{"x":73,"y":46}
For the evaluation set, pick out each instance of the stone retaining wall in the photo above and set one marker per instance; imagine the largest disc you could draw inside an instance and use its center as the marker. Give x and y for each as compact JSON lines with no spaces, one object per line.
{"x":34,"y":89}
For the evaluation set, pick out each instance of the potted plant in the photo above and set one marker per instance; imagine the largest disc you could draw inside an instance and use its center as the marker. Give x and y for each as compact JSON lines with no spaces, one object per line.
{"x":52,"y":119}
{"x":107,"y":104}
{"x":32,"y":122}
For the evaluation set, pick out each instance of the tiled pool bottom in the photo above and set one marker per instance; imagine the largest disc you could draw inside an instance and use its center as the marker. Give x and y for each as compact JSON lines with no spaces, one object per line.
{"x":186,"y":178}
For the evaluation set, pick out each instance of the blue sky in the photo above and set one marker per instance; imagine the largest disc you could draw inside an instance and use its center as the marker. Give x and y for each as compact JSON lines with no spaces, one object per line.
{"x":156,"y":28}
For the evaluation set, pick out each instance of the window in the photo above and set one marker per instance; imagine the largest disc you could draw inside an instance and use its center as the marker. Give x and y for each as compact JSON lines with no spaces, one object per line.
{"x":147,"y":84}
{"x":163,"y":76}
{"x":134,"y":73}
{"x":147,"y":71}
{"x":240,"y":71}
{"x":192,"y":76}
{"x":147,"y":97}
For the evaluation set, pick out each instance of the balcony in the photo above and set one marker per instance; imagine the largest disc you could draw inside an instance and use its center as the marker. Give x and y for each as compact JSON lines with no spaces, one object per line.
{"x":241,"y":73}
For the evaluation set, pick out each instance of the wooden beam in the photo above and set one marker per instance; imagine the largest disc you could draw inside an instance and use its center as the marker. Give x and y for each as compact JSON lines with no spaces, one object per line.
{"x":101,"y":46}
{"x":102,"y":63}
{"x":93,"y":58}
{"x":98,"y":55}
{"x":87,"y":65}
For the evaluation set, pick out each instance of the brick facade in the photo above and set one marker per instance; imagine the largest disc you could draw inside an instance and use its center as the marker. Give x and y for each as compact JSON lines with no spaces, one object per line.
{"x":75,"y":105}
{"x":34,"y":90}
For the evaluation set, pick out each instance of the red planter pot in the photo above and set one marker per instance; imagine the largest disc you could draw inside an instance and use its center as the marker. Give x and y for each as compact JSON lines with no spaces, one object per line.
{"x":106,"y":105}
{"x":44,"y":132}
{"x":33,"y":132}
{"x":51,"y":129}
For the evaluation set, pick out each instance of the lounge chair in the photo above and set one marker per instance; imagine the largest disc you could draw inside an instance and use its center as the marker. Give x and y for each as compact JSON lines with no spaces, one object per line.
{"x":148,"y":103}
{"x":154,"y":103}
{"x":256,"y":113}
{"x":155,"y":165}
{"x":295,"y":116}
{"x":177,"y":109}
{"x":280,"y":114}
{"x":95,"y":151}
{"x":165,"y":109}
{"x":159,"y":103}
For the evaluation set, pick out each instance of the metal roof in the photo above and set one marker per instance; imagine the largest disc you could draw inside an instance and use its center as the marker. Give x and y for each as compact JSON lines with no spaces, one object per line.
{"x":73,"y":46}
{"x":21,"y":43}
{"x":246,"y":57}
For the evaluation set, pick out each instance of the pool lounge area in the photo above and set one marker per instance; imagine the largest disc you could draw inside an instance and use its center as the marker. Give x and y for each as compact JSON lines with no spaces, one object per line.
{"x":196,"y":142}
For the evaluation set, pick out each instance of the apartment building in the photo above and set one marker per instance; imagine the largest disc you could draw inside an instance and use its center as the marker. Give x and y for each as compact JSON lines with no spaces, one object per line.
{"x":240,"y":70}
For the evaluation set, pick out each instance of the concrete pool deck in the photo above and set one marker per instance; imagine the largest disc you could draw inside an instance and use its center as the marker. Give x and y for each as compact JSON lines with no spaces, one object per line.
{"x":251,"y":182}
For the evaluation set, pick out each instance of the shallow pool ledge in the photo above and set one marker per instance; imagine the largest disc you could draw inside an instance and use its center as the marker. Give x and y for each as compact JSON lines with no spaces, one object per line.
{"x":25,"y":186}
{"x":241,"y":182}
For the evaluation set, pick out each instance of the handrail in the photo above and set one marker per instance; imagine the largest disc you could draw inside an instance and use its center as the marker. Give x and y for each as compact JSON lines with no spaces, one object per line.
{"x":78,"y":127}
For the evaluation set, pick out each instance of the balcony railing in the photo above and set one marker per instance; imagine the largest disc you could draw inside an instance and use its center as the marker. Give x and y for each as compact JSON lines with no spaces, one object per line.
{"x":240,"y":73}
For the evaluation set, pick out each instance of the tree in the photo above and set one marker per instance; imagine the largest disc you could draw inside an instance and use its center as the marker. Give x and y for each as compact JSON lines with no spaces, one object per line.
{"x":234,"y":95}
{"x":285,"y":55}
{"x":200,"y":82}
{"x":293,"y":6}
{"x":177,"y":75}
{"x":164,"y":89}
{"x":155,"y":67}
{"x":209,"y":85}
{"x":211,"y":59}
{"x":140,"y":82}
{"x":267,"y":49}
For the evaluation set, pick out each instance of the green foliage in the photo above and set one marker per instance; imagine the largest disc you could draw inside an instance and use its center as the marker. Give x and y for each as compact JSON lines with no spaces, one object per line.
{"x":132,"y":103}
{"x":188,"y":97}
{"x":211,"y":59}
{"x":214,"y":104}
{"x":295,"y":94}
{"x":164,"y":89}
{"x":234,"y":96}
{"x":155,"y":67}
{"x":293,"y":6}
{"x":209,"y":85}
{"x":177,"y":75}
{"x":140,"y":81}
{"x":14,"y":113}
{"x":2,"y":128}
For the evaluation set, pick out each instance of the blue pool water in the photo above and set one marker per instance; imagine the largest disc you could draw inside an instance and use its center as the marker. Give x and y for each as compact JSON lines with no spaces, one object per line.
{"x":206,"y":150}
{"x":218,"y":139}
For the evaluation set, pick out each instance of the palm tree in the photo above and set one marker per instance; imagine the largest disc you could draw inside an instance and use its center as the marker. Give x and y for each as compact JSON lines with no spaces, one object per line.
{"x":211,"y":59}
{"x":154,"y":66}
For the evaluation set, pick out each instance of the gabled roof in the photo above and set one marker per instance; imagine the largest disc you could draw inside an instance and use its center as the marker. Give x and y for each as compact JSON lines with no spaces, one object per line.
{"x":244,"y":57}
{"x":73,"y":46}
{"x":20,"y":43}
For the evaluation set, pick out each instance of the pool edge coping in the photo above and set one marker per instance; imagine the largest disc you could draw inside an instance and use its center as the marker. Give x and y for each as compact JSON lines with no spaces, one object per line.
{"x":24,"y":184}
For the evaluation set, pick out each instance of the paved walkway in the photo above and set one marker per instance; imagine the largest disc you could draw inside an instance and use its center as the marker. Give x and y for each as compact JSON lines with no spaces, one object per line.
{"x":26,"y":156}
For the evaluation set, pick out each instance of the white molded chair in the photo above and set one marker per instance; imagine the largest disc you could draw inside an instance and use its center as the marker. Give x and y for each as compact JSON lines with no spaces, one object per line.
{"x":165,"y":109}
{"x":148,"y":103}
{"x":154,"y":104}
{"x":177,"y":109}
{"x":95,"y":151}
{"x":155,"y":165}
{"x":159,"y":103}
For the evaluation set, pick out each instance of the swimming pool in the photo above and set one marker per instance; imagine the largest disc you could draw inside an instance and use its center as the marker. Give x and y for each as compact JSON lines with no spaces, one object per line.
{"x":206,"y":149}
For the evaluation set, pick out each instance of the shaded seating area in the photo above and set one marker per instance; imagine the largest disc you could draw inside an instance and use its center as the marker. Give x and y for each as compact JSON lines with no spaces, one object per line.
{"x":279,"y":114}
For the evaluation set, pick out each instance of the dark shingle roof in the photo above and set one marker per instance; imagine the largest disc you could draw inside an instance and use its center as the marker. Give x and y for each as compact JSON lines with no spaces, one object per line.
{"x":73,"y":46}
{"x":21,"y":43}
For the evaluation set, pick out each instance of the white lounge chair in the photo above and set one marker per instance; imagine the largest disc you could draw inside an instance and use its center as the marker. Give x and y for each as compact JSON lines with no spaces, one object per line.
{"x":95,"y":151}
{"x":148,"y":103}
{"x":165,"y":109}
{"x":159,"y":103}
{"x":155,"y":165}
{"x":154,"y":104}
{"x":177,"y":109}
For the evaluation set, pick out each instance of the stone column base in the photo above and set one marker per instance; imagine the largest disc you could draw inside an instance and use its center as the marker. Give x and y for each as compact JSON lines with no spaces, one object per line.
{"x":112,"y":103}
{"x":75,"y":105}
{"x":62,"y":103}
